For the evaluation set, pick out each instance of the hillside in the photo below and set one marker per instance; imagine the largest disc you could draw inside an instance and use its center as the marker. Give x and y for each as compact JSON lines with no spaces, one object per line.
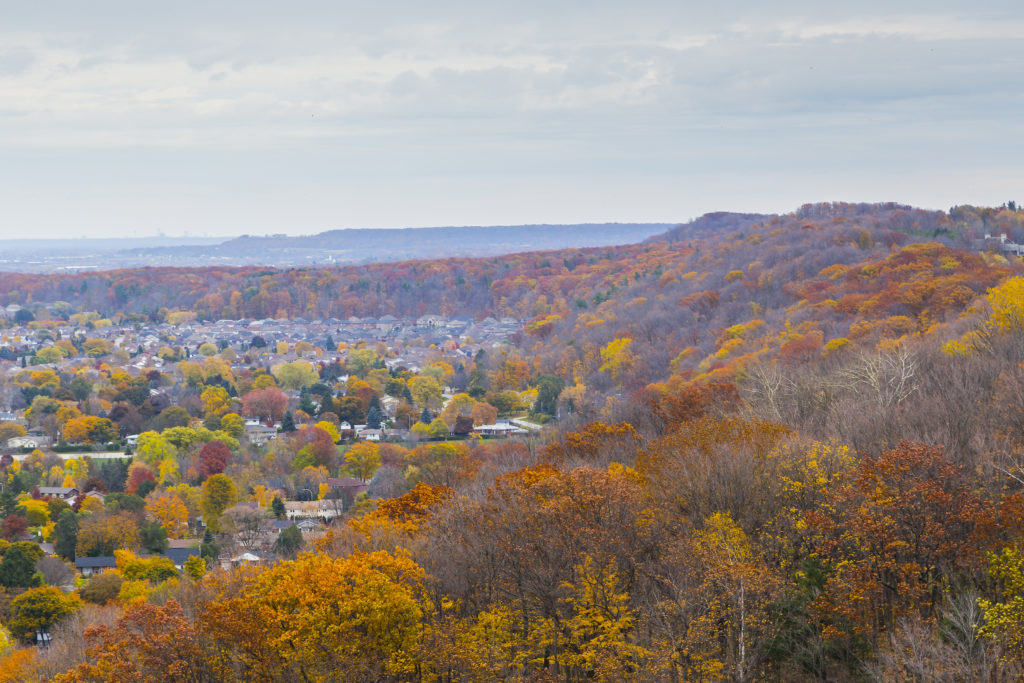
{"x":376,"y":245}
{"x":751,"y":448}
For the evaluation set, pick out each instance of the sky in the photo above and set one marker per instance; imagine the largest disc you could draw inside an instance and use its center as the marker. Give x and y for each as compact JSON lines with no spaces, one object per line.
{"x":124,"y":118}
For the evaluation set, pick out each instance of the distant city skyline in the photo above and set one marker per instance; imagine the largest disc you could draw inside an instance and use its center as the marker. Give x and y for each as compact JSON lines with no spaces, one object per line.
{"x":217,"y":119}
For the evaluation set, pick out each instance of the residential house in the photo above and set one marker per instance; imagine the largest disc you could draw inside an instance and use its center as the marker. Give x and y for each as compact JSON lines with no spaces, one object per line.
{"x":61,"y":492}
{"x":499,"y":430}
{"x":279,"y":525}
{"x":307,"y":525}
{"x":371,"y":434}
{"x":259,"y":435}
{"x":430,"y":320}
{"x":90,"y":566}
{"x":180,"y":555}
{"x":28,"y":442}
{"x":312,"y":509}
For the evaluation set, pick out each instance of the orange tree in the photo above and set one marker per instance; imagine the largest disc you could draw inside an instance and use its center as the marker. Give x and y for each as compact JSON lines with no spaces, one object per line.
{"x":892,"y":536}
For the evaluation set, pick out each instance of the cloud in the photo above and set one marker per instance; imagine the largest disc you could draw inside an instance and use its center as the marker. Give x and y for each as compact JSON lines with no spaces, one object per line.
{"x":208,"y":100}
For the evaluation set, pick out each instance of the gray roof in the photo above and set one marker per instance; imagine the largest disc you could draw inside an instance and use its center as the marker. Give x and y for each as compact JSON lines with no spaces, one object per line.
{"x":56,"y":490}
{"x":94,"y":562}
{"x":345,"y":482}
{"x":179,"y":555}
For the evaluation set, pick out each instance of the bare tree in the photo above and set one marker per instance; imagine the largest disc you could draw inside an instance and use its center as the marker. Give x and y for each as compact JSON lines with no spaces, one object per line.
{"x":56,"y":571}
{"x":886,"y":377}
{"x":768,"y":387}
{"x":246,"y":525}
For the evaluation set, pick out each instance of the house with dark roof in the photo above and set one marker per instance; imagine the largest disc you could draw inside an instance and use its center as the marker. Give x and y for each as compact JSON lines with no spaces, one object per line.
{"x":90,"y":566}
{"x":180,"y":555}
{"x":61,"y":492}
{"x":279,"y":525}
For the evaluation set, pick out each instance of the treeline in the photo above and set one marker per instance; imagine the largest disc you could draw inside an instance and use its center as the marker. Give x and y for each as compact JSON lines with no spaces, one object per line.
{"x":522,"y":285}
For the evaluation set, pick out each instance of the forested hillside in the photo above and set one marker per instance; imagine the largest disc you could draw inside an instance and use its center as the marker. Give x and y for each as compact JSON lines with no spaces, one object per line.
{"x":773,"y":448}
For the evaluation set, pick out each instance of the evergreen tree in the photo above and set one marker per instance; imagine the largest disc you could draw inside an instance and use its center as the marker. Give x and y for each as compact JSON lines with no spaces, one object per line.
{"x":306,"y":403}
{"x":548,"y":389}
{"x":373,"y":418}
{"x":17,"y":570}
{"x":277,"y":507}
{"x":289,"y":542}
{"x":210,"y":550}
{"x":9,"y":504}
{"x":65,"y":535}
{"x":288,"y":423}
{"x":329,"y":345}
{"x":153,"y":537}
{"x":426,"y":417}
{"x":145,"y":488}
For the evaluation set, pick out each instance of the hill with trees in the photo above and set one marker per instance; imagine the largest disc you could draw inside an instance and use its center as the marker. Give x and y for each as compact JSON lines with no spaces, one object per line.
{"x":773,"y":447}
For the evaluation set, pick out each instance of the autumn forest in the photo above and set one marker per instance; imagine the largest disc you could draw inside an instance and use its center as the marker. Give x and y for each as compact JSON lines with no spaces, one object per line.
{"x":755,"y":447}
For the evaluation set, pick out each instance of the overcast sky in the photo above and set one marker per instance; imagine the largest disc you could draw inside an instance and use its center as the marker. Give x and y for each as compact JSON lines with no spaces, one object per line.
{"x":133,"y":118}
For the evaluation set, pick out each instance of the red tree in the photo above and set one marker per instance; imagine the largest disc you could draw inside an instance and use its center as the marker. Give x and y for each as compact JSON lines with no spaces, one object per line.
{"x":14,"y":527}
{"x":319,"y":442}
{"x":267,"y":404}
{"x":137,"y":474}
{"x":213,"y":459}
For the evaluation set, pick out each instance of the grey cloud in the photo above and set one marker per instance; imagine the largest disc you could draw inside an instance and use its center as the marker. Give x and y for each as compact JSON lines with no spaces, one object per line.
{"x":326,"y":99}
{"x":16,"y":61}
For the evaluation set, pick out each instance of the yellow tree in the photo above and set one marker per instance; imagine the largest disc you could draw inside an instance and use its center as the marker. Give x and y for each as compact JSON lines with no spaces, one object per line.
{"x":102,"y":534}
{"x":215,"y":401}
{"x":219,"y":494}
{"x":617,"y":358}
{"x":728,"y":636}
{"x":153,"y":448}
{"x":363,"y":459}
{"x":233,"y":424}
{"x":1007,"y":303}
{"x":170,"y":511}
{"x":330,"y":429}
{"x":353,"y":618}
{"x":295,"y":375}
{"x":601,"y":645}
{"x":457,"y":406}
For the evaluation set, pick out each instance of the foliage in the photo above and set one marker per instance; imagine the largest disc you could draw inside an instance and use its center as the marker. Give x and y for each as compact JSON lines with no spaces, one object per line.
{"x":362,"y":459}
{"x":65,"y":535}
{"x":356,"y":617}
{"x":102,"y":589}
{"x":39,"y":609}
{"x":17,"y":569}
{"x":289,"y":542}
{"x":101,"y":534}
{"x":219,"y":494}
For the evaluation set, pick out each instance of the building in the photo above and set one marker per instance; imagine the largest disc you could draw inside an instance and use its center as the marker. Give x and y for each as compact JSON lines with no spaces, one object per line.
{"x":259,"y":435}
{"x":179,"y":556}
{"x":61,"y":492}
{"x":90,"y":566}
{"x":28,"y":442}
{"x":499,"y":429}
